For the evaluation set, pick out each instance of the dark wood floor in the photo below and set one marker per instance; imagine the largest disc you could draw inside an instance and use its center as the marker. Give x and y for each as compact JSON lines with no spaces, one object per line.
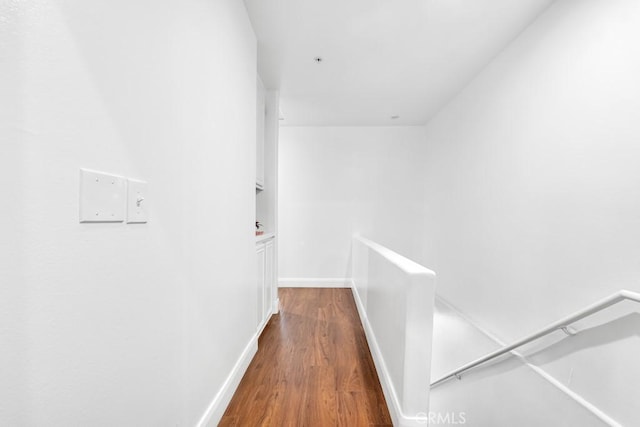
{"x":313,"y":367}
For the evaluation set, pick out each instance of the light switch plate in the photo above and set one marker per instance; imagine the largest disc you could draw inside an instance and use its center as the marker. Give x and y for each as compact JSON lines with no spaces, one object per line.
{"x":102,"y":197}
{"x":137,"y":211}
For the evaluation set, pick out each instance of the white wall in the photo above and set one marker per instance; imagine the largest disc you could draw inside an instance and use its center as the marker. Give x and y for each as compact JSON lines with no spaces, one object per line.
{"x":113,"y":324}
{"x":335,"y":181}
{"x":266,"y":199}
{"x":534,"y":202}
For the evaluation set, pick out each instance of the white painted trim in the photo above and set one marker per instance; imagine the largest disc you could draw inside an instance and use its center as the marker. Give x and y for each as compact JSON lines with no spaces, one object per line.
{"x":218,"y":405}
{"x":264,"y":237}
{"x":541,"y":372}
{"x":385,"y":379}
{"x":393,"y":403}
{"x":306,"y":282}
{"x":263,"y":325}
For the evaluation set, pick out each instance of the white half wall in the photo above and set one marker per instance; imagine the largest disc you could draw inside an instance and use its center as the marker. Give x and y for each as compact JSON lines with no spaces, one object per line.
{"x":114,"y":324}
{"x":395,"y":301}
{"x":534,"y":204}
{"x":337,"y":181}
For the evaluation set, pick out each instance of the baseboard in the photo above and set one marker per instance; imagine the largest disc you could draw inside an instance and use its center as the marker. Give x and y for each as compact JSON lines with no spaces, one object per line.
{"x":541,"y":372}
{"x":307,"y":282}
{"x":218,"y":405}
{"x":393,"y":403}
{"x":383,"y":373}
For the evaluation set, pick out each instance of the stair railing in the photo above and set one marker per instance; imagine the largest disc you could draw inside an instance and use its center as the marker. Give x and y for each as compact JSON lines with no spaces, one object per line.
{"x":560,"y":325}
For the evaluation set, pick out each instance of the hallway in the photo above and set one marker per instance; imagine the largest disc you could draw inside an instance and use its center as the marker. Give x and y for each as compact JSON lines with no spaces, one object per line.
{"x":313,"y":367}
{"x":170,"y":168}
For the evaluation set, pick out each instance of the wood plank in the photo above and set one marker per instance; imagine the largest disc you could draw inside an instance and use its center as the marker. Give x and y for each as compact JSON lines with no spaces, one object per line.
{"x":313,"y":367}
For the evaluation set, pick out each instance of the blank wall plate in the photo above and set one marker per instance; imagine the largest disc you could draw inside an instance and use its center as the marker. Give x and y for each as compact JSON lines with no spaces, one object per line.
{"x":137,"y":211}
{"x":102,"y":197}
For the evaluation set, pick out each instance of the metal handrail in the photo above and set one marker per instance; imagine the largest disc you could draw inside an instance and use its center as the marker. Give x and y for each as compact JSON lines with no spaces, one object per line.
{"x":561,"y":324}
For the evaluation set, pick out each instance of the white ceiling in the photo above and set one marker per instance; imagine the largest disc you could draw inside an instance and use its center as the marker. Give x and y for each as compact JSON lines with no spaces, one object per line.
{"x":380,"y":57}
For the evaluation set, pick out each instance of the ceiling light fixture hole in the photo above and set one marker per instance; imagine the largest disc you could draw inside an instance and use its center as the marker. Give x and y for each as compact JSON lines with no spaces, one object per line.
{"x":318,"y":59}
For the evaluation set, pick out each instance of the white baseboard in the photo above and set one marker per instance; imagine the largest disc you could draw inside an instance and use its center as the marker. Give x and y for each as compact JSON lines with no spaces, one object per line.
{"x":218,"y":405}
{"x":308,"y":282}
{"x":393,"y":403}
